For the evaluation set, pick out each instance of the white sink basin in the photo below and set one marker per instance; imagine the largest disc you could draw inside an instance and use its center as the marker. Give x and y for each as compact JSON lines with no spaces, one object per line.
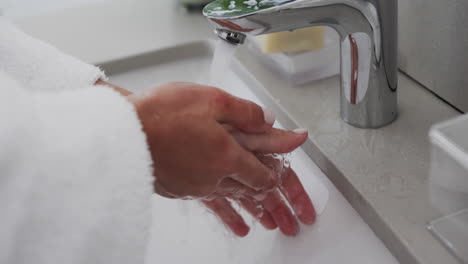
{"x":185,"y":232}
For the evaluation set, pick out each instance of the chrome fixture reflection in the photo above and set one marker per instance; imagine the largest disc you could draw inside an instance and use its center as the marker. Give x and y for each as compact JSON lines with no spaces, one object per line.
{"x":368,"y":33}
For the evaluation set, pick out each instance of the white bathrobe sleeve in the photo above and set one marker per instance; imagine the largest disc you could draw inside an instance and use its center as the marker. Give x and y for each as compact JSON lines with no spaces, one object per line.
{"x":75,"y":171}
{"x":38,"y":65}
{"x":75,"y":177}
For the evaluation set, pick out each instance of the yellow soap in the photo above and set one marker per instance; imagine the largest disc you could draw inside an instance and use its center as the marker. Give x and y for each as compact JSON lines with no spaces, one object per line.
{"x":305,"y":39}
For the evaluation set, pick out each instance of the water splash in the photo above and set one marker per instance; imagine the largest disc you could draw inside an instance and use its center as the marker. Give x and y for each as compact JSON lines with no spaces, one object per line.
{"x":278,"y":163}
{"x":222,"y":58}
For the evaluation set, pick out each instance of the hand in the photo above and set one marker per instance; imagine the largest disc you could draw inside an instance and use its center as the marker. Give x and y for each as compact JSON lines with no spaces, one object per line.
{"x":272,"y":211}
{"x":194,"y":155}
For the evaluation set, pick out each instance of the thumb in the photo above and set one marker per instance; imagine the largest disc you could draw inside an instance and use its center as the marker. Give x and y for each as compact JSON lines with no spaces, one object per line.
{"x":273,"y":141}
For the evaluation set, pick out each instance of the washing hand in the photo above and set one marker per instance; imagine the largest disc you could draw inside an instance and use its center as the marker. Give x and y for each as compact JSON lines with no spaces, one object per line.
{"x":194,"y":155}
{"x":272,"y":210}
{"x":203,"y":141}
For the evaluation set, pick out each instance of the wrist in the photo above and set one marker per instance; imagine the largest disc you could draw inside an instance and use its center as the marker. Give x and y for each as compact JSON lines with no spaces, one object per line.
{"x":141,"y":111}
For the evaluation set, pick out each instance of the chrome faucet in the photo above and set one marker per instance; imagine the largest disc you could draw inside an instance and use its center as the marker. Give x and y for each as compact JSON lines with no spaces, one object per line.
{"x":368,"y":34}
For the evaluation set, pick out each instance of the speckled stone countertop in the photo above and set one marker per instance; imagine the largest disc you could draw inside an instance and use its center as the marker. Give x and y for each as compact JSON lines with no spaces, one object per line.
{"x":383,"y":172}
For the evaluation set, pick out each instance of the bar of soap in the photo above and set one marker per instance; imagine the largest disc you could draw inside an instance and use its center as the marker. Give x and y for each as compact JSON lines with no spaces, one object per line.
{"x":305,"y":39}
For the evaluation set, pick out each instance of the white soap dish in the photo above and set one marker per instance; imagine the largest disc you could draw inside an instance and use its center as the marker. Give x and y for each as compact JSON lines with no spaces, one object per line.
{"x":303,"y":67}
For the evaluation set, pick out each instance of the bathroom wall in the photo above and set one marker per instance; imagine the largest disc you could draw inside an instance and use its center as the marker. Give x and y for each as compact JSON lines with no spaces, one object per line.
{"x":434,"y":46}
{"x":27,"y":8}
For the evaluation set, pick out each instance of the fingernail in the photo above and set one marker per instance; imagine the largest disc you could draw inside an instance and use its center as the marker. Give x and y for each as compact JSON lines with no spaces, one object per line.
{"x":241,"y":229}
{"x":269,"y":116}
{"x":300,"y":131}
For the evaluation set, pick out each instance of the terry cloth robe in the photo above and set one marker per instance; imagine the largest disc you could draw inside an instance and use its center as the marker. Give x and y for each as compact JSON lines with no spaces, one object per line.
{"x":75,"y":169}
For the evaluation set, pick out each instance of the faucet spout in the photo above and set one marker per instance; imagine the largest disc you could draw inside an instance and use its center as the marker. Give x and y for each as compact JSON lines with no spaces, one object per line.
{"x":231,"y":37}
{"x":368,"y":35}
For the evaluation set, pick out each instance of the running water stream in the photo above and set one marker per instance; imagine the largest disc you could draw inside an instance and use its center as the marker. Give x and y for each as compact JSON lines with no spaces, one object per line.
{"x":221,"y":65}
{"x":222,"y":58}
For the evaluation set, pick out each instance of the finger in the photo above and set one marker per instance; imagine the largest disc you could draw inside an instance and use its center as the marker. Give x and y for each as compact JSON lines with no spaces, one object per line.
{"x":282,"y":215}
{"x":244,"y":196}
{"x":256,"y":209}
{"x":273,"y":141}
{"x":292,"y":189}
{"x":297,"y":197}
{"x":242,"y":114}
{"x":252,"y":173}
{"x":226,"y":213}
